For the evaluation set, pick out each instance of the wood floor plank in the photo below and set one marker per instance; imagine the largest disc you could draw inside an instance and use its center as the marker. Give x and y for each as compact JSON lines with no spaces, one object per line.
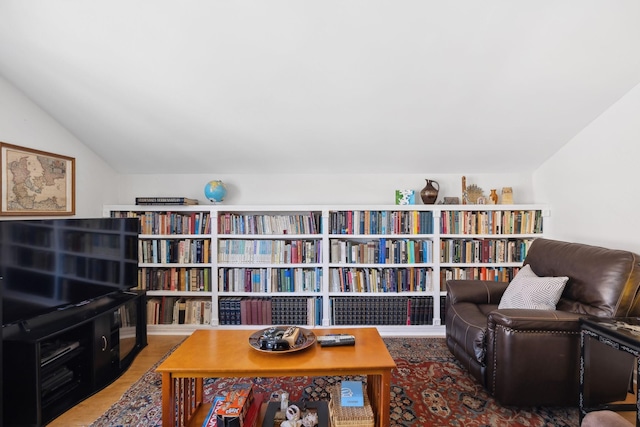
{"x":90,"y":409}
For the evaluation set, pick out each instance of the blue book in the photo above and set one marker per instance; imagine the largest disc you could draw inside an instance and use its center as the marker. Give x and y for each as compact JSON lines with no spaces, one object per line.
{"x":352,"y":393}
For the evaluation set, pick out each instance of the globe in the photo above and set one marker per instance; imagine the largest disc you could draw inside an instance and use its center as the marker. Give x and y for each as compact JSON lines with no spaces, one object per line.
{"x":215,"y":191}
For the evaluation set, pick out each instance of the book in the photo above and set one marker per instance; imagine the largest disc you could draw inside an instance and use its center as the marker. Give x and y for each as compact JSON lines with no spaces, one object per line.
{"x":232,"y":411}
{"x":211,"y":420}
{"x":351,"y":393}
{"x":165,"y":201}
{"x":251,"y":420}
{"x":405,"y":197}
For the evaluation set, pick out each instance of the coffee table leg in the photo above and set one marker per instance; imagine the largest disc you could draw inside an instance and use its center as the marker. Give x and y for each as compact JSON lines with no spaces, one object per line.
{"x":379,"y":393}
{"x":168,"y":399}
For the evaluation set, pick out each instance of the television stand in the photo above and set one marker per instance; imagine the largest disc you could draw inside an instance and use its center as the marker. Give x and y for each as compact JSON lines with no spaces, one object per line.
{"x":54,"y":361}
{"x":52,"y":351}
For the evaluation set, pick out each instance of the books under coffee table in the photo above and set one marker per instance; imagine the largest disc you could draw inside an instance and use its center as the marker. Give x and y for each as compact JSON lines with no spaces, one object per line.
{"x":214,"y":353}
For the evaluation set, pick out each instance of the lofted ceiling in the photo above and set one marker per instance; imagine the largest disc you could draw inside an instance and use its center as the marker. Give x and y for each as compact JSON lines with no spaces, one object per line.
{"x":331,"y":86}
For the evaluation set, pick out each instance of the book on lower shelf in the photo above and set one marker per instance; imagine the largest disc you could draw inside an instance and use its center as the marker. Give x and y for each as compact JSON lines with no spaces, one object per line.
{"x":351,"y":393}
{"x":211,"y":420}
{"x":165,"y":201}
{"x":232,"y":411}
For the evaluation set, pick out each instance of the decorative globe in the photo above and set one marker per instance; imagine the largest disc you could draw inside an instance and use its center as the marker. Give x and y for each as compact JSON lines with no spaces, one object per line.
{"x":215,"y":191}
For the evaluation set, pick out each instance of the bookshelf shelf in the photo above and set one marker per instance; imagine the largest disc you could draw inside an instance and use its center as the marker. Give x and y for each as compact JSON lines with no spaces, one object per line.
{"x":323,"y":265}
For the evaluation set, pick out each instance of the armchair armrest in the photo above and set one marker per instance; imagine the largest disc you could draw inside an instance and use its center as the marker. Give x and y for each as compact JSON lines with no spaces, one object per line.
{"x":532,"y":356}
{"x":475,"y":291}
{"x":541,"y":321}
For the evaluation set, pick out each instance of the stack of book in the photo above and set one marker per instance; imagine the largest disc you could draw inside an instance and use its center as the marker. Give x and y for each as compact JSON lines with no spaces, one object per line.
{"x":165,"y":201}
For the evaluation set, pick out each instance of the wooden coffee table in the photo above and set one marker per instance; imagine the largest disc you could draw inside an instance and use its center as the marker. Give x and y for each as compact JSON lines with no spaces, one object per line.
{"x":227,"y":353}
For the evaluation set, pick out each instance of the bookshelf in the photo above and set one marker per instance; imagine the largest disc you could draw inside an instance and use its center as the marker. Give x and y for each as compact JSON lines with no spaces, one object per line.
{"x":225,"y":266}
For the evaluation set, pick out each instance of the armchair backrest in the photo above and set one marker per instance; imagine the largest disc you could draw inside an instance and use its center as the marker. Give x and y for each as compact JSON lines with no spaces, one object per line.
{"x":602,"y":282}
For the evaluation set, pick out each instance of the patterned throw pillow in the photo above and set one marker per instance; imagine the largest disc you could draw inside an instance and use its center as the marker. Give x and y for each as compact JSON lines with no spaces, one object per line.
{"x":527,"y":290}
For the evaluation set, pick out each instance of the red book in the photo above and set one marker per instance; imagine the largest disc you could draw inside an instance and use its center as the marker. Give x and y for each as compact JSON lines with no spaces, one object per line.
{"x":251,"y":420}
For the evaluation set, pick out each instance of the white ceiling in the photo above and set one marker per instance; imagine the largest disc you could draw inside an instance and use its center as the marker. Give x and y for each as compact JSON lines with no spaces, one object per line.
{"x":297,"y":86}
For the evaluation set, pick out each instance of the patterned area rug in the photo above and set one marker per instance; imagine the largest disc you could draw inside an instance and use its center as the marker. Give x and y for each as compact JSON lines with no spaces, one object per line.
{"x":428,"y":388}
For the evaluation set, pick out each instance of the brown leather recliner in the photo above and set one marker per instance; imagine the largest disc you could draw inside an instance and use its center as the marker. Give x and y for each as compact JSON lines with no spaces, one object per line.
{"x":531,"y":357}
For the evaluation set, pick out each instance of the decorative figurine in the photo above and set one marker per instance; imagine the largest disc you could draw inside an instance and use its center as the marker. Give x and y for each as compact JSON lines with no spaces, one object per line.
{"x":464,"y":190}
{"x":493,"y":197}
{"x":284,"y":401}
{"x":310,"y":420}
{"x":293,"y":417}
{"x":507,"y":196}
{"x":293,"y":412}
{"x":473,"y":194}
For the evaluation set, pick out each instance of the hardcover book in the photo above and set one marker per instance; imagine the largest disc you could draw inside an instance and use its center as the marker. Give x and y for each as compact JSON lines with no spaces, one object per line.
{"x":352,"y":393}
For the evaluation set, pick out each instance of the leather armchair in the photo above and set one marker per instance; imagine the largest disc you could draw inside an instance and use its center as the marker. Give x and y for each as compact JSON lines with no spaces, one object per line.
{"x":531,"y":357}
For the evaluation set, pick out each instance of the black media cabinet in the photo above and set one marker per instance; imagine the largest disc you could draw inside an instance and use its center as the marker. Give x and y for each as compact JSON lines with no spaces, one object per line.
{"x":54,"y":361}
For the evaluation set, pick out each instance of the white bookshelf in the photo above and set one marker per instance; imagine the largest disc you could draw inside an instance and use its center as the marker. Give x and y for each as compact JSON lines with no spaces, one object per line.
{"x":247,"y":244}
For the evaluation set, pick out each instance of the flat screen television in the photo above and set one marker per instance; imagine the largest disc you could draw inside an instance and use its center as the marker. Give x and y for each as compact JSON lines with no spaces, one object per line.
{"x":53,"y":264}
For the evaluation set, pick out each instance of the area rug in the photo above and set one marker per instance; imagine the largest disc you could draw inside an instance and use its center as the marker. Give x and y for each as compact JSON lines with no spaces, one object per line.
{"x":428,"y":388}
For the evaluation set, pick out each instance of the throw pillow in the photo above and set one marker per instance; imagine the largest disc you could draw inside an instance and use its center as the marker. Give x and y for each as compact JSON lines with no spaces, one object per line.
{"x":527,"y":290}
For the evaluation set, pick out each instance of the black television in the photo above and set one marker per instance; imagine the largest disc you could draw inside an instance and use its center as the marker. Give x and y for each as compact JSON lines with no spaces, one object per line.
{"x":54,"y":264}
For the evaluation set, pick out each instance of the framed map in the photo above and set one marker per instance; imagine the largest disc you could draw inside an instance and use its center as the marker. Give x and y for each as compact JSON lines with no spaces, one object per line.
{"x":35,"y":182}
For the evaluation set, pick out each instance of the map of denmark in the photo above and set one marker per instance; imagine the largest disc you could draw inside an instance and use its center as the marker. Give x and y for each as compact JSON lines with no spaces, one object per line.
{"x":35,"y":182}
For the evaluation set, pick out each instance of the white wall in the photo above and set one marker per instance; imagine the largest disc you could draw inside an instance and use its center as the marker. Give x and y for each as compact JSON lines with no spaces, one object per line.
{"x":23,"y":123}
{"x":592,"y":183}
{"x":589,"y":185}
{"x":315,"y":189}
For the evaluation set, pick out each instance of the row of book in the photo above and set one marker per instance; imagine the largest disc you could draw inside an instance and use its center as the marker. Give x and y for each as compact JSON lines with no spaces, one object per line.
{"x":170,"y":222}
{"x":387,"y":310}
{"x":270,"y":279}
{"x":169,"y":310}
{"x":234,"y":223}
{"x":394,"y":310}
{"x":496,"y":274}
{"x":270,"y":251}
{"x":270,"y":311}
{"x":413,"y":279}
{"x":381,"y":222}
{"x":484,"y":250}
{"x":174,"y":279}
{"x":181,"y":251}
{"x":491,"y":222}
{"x":381,"y":251}
{"x":363,"y":279}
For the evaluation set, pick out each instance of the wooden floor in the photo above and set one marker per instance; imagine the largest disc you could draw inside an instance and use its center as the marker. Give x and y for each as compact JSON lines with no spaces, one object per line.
{"x":90,"y":409}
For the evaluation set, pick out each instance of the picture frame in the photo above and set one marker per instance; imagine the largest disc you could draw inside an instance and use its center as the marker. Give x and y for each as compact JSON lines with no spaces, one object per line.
{"x":35,"y":182}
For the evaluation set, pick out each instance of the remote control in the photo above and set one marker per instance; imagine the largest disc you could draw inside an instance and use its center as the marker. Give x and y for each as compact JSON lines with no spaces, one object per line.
{"x":336,"y":340}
